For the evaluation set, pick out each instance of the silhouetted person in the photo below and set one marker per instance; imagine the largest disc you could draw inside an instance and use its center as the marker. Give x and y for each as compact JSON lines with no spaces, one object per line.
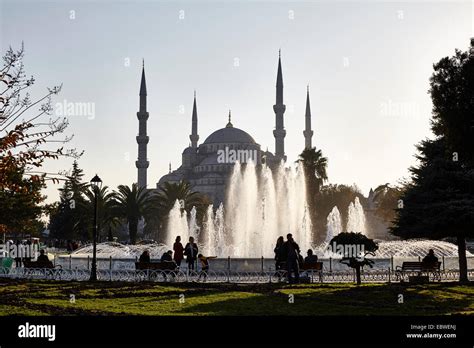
{"x":191,"y":251}
{"x":169,"y":264}
{"x":69,"y":246}
{"x":277,"y":251}
{"x":42,"y":258}
{"x":18,"y":254}
{"x":27,"y":250}
{"x":311,"y":259}
{"x":430,"y":258}
{"x":144,"y":257}
{"x":178,"y":251}
{"x":300,"y":260}
{"x":167,"y":256}
{"x":204,"y":265}
{"x":291,"y":250}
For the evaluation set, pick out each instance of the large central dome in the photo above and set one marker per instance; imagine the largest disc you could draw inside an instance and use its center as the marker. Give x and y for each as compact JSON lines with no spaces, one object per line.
{"x":229,"y":135}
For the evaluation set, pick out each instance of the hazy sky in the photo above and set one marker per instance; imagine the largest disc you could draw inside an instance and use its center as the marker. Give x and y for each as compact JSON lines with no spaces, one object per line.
{"x":368,"y":64}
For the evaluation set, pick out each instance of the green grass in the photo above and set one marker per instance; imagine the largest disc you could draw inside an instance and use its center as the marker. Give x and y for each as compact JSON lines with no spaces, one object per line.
{"x":21,"y":297}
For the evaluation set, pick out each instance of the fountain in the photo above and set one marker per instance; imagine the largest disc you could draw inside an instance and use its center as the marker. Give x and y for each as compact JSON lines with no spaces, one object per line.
{"x":194,"y":229}
{"x":416,"y":247}
{"x":114,"y":250}
{"x":177,"y":222}
{"x":334,"y":224}
{"x":356,"y":217}
{"x":214,"y":239}
{"x":261,"y":205}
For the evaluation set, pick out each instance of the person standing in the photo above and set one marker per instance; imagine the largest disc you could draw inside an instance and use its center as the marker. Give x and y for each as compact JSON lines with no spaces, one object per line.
{"x":191,"y":251}
{"x":18,"y":253}
{"x":178,"y":251}
{"x":291,"y":250}
{"x":278,"y":257}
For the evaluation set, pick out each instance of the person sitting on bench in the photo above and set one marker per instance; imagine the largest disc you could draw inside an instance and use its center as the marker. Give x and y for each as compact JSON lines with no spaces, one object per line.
{"x":430,"y":258}
{"x":167,"y":256}
{"x":42,"y":258}
{"x":311,"y":259}
{"x":144,"y":257}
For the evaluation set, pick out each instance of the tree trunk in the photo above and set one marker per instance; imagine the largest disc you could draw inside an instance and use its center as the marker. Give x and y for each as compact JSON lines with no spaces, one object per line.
{"x":461,"y":241}
{"x":358,"y":275}
{"x":132,"y":230}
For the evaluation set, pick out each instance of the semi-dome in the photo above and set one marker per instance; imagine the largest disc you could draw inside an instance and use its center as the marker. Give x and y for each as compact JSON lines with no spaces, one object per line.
{"x":209,"y":160}
{"x":190,"y":150}
{"x":229,"y":135}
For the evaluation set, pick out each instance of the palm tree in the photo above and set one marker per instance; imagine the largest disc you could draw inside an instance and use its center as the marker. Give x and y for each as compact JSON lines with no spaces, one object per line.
{"x":167,"y":195}
{"x":132,"y":204}
{"x":315,"y":165}
{"x":106,"y":219}
{"x":170,"y":192}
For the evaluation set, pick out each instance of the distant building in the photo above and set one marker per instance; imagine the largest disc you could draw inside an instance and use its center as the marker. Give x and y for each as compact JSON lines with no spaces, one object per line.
{"x":208,"y":166}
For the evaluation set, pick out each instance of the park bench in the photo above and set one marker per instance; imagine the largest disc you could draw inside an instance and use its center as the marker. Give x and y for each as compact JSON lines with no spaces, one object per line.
{"x":315,"y":267}
{"x":31,"y":266}
{"x":305,"y":269}
{"x":37,"y":264}
{"x":164,"y":267}
{"x":419,"y":268}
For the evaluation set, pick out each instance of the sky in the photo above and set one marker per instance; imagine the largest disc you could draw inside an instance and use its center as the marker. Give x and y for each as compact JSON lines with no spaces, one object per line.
{"x":367,"y":63}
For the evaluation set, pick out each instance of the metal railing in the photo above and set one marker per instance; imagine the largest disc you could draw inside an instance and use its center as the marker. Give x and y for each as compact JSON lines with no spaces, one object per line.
{"x":180,"y":276}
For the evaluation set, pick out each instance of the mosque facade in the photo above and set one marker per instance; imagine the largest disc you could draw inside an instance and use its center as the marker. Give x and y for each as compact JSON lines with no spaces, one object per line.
{"x":208,"y":166}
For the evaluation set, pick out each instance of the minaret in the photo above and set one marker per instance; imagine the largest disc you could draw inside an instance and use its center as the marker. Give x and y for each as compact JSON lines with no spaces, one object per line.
{"x":142,"y":139}
{"x":229,"y":124}
{"x":194,"y":137}
{"x":279,"y":108}
{"x":308,"y":133}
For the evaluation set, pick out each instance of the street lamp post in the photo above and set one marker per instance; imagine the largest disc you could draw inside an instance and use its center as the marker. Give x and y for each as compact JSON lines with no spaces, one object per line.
{"x":96,"y":184}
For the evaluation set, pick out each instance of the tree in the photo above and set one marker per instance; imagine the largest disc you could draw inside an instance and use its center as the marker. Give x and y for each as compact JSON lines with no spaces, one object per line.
{"x":169,"y":193}
{"x":68,"y":220}
{"x":327,"y":198}
{"x":107,"y":219}
{"x":386,"y":200}
{"x":132,"y":203}
{"x":163,"y":201}
{"x":452,"y":93}
{"x":314,"y":164}
{"x":20,"y":204}
{"x":26,"y":133}
{"x":354,"y":247}
{"x":439,"y":200}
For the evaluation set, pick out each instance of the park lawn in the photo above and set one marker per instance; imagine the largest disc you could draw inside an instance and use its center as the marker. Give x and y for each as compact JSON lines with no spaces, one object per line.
{"x":37,"y":297}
